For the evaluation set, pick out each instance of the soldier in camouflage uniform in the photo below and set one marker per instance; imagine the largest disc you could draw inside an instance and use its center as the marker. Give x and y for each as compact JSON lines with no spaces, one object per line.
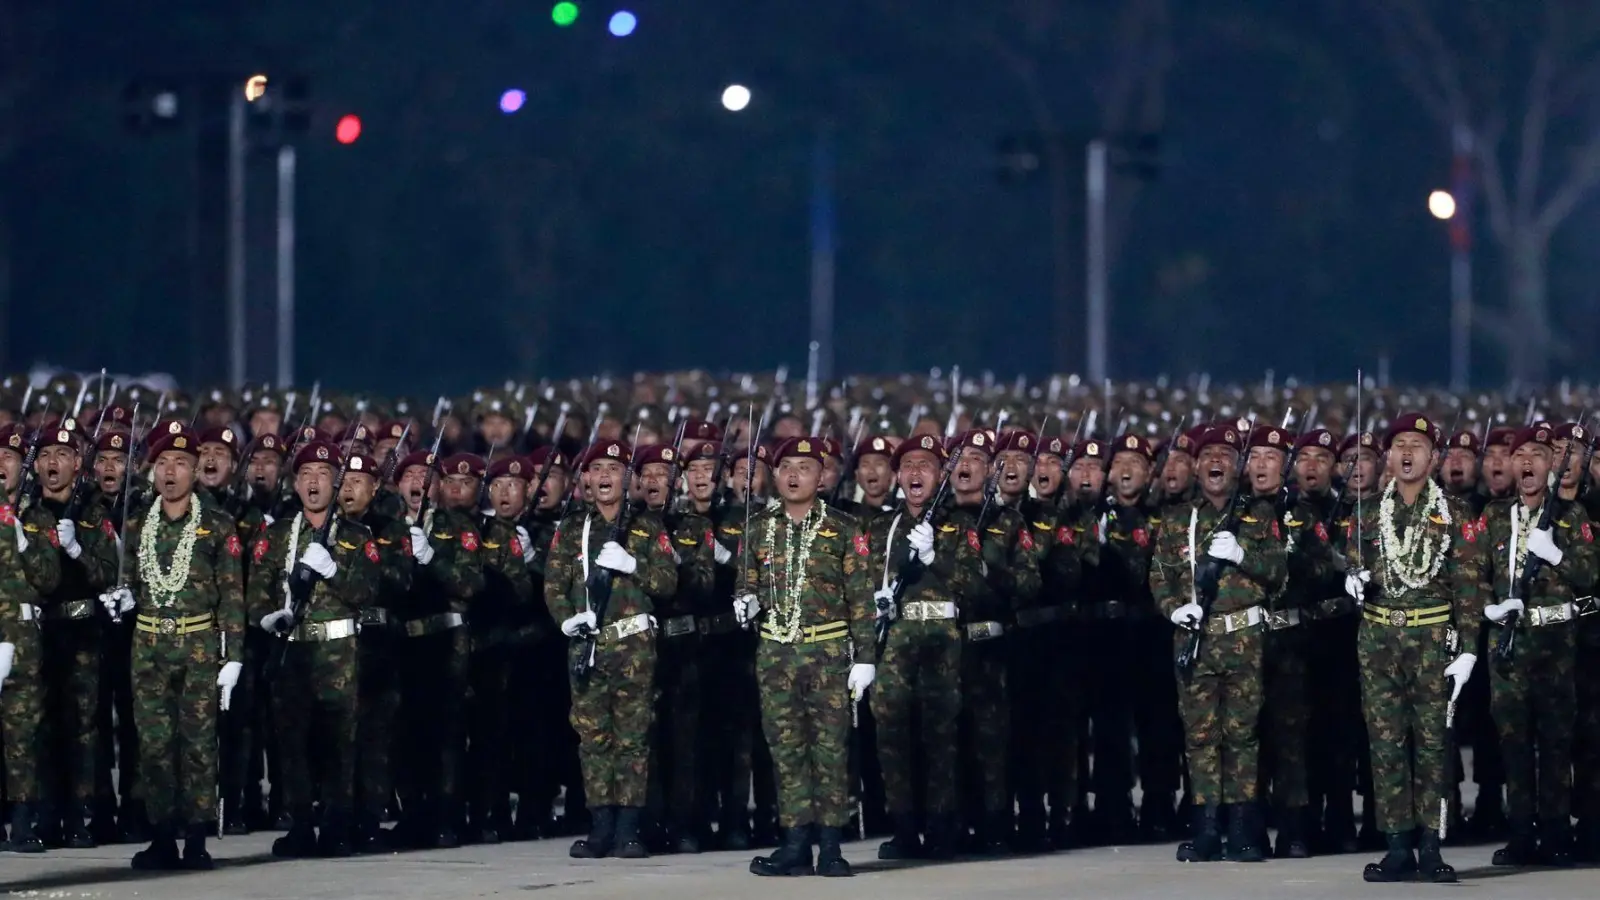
{"x":1586,"y":741}
{"x":1534,"y":698}
{"x":1221,"y":701}
{"x":1421,"y":575}
{"x":32,"y":568}
{"x":612,"y":679}
{"x":806,"y":581}
{"x":187,"y":603}
{"x":316,"y":683}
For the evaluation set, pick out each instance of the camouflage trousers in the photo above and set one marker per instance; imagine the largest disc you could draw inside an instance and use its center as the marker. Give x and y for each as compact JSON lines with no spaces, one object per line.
{"x":916,"y":703}
{"x":612,"y":709}
{"x":985,"y":724}
{"x":21,"y":712}
{"x":1285,"y":722}
{"x":1221,"y":706}
{"x":673,"y":773}
{"x":71,"y":672}
{"x":805,"y":713}
{"x":175,"y":711}
{"x":314,"y":703}
{"x":1535,"y":705}
{"x":1586,"y":752}
{"x":1404,"y":699}
{"x":377,"y":709}
{"x":1044,"y":732}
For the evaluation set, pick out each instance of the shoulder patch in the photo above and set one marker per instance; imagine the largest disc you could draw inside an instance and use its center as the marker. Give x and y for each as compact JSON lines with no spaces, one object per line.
{"x":1064,"y":536}
{"x":1588,"y":535}
{"x":372,"y":552}
{"x":1025,"y":538}
{"x":972,"y":540}
{"x":260,"y":551}
{"x":234,"y":546}
{"x":863,"y":547}
{"x":662,"y":542}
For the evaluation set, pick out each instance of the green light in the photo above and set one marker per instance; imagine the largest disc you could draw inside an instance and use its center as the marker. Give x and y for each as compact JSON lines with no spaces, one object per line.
{"x":564,"y":14}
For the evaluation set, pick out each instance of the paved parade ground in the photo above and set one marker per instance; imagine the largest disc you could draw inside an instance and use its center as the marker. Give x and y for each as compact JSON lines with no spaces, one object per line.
{"x":541,"y":869}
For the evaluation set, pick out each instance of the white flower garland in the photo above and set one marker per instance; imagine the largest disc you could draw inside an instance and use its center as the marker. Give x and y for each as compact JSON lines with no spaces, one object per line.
{"x":784,"y":620}
{"x":165,"y":585}
{"x":1413,"y":559}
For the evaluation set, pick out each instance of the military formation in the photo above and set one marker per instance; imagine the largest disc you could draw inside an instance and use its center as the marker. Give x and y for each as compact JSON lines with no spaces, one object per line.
{"x":679,"y":613}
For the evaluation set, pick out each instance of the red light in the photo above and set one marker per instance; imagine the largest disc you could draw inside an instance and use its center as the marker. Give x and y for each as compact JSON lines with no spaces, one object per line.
{"x":348,"y":130}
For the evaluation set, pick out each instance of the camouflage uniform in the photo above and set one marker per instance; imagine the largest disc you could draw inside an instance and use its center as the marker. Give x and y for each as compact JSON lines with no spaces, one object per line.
{"x":673,"y":773}
{"x":27,"y":577}
{"x":731,"y":708}
{"x":508,"y":591}
{"x":378,"y":675}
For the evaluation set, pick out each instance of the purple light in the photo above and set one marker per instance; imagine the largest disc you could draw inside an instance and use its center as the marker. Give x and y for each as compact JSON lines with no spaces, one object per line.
{"x":512,"y":100}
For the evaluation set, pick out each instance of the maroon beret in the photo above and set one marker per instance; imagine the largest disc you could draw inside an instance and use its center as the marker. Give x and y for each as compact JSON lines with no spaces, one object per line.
{"x":1533,"y":434}
{"x":1054,"y":445}
{"x":1223,"y":435}
{"x":1567,"y":431}
{"x":13,"y":437}
{"x":1020,"y":440}
{"x":512,"y":466}
{"x":653,"y":453}
{"x":1463,"y":440}
{"x":312,"y":433}
{"x":1316,"y":438}
{"x":114,"y":416}
{"x":112,"y":441}
{"x":1133,"y":443}
{"x":172,"y":435}
{"x":267,"y":441}
{"x":1363,"y":438}
{"x":924,"y":442}
{"x":59,"y":433}
{"x":390,"y":431}
{"x":540,"y":454}
{"x":357,"y":431}
{"x":316,"y":452}
{"x":612,"y":450}
{"x":704,"y":449}
{"x":1410,"y":423}
{"x":1090,"y":449}
{"x":462,"y":464}
{"x":877,"y":445}
{"x":221,"y":434}
{"x":803,"y":447}
{"x":831,"y":447}
{"x":978,"y":439}
{"x":1271,"y":437}
{"x":701,"y":430}
{"x":415,"y":458}
{"x":364,"y":464}
{"x":1500,"y":437}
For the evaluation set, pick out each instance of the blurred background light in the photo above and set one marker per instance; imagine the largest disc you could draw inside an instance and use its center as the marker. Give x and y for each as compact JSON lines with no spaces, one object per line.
{"x":622,"y":23}
{"x":512,"y":100}
{"x":564,"y":13}
{"x":735,"y":97}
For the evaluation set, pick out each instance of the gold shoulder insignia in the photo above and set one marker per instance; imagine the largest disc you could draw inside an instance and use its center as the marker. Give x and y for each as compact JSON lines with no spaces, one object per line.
{"x":28,"y":526}
{"x":444,"y":535}
{"x":995,"y":530}
{"x":1292,"y":522}
{"x":347,"y":546}
{"x":947,"y":528}
{"x":1042,"y":526}
{"x":637,"y":533}
{"x":198,"y":532}
{"x":1249,"y":520}
{"x":1436,"y":520}
{"x":385,"y":541}
{"x":821,"y":533}
{"x":486,"y":546}
{"x":732,"y":529}
{"x":688,"y":542}
{"x":1563,"y":523}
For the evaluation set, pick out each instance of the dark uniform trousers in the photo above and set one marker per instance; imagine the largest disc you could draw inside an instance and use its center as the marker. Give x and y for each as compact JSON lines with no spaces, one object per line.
{"x":377,"y":709}
{"x":316,"y":701}
{"x":730,"y":722}
{"x":985,"y":725}
{"x":433,"y":678}
{"x":71,"y":669}
{"x":1044,"y":733}
{"x":673,"y":772}
{"x":489,"y":674}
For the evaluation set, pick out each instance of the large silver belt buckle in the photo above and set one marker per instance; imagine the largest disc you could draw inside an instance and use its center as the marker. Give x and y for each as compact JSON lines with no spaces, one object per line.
{"x":1397,"y":617}
{"x":167,"y":627}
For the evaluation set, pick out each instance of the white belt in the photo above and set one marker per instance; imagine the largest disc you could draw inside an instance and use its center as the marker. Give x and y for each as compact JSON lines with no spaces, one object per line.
{"x":1550,"y":615}
{"x":628,"y":627}
{"x":29,"y":612}
{"x":677,"y":626}
{"x":337,"y":630}
{"x":1228,"y":623}
{"x":927,"y":611}
{"x":1284,"y":618}
{"x":984,"y":631}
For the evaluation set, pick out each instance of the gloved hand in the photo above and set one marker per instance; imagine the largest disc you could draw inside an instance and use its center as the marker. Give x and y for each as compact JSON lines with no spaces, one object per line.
{"x":421,"y":548}
{"x":613,"y":557}
{"x":861,"y":677}
{"x":1225,"y":546}
{"x":22,"y":537}
{"x":1459,"y":671}
{"x":723,"y":554}
{"x":746,"y":608}
{"x":1104,"y":528}
{"x":1188,"y":616}
{"x":1355,"y":584}
{"x":921,"y":541}
{"x":1542,"y":543}
{"x":1497,"y":612}
{"x":268,"y":518}
{"x":226,"y":679}
{"x":527,"y":545}
{"x":67,"y":537}
{"x":278,"y":622}
{"x":117,"y":601}
{"x":578,"y":624}
{"x":883,"y":598}
{"x":317,"y":559}
{"x":8,"y":652}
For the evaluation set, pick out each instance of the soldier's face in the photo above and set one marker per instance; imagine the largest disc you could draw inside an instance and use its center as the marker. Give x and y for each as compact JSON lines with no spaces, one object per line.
{"x":1410,"y":458}
{"x":109,"y":466}
{"x":174,"y":475}
{"x":1130,"y":472}
{"x":264,"y":467}
{"x":698,"y":476}
{"x":1313,"y":469}
{"x":1047,"y":474}
{"x":1087,"y":477}
{"x":1364,"y":475}
{"x":553,"y":490}
{"x":1531,"y":465}
{"x":919,"y":476}
{"x":266,"y":421}
{"x":1216,"y":464}
{"x":646,"y":434}
{"x":972,"y":467}
{"x":1569,"y":478}
{"x":356,"y":494}
{"x":1013,"y":472}
{"x":508,"y":494}
{"x":216,"y":464}
{"x":875,"y":475}
{"x":652,"y":484}
{"x":314,"y":483}
{"x":1459,"y":464}
{"x":1177,"y":473}
{"x":1265,"y":467}
{"x":830,"y":472}
{"x":497,"y":430}
{"x":56,"y":466}
{"x":459,"y":491}
{"x":10,"y":468}
{"x":798,"y":479}
{"x":607,"y":480}
{"x":737,"y":479}
{"x":1497,"y":469}
{"x":412,"y":482}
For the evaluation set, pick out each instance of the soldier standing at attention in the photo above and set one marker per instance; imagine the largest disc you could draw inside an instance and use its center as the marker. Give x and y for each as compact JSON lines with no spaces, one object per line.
{"x":805,"y":580}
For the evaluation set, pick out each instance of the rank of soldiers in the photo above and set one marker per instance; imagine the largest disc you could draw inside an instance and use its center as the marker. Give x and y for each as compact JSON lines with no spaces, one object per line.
{"x":679,"y":614}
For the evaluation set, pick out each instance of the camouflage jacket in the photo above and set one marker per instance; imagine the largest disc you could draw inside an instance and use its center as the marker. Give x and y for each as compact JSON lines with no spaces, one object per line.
{"x":837,"y":587}
{"x":1462,"y":580}
{"x":507,"y":583}
{"x":455,"y":574}
{"x":1574,"y":536}
{"x":691,"y":536}
{"x":25,"y":577}
{"x":1175,"y":562}
{"x":393,"y":540}
{"x":95,"y":568}
{"x":727,"y":529}
{"x":566,"y":590}
{"x":215,"y":582}
{"x":1316,"y":568}
{"x":1124,"y":568}
{"x":353,"y":585}
{"x":1059,"y":563}
{"x":882,"y":553}
{"x":1008,"y":574}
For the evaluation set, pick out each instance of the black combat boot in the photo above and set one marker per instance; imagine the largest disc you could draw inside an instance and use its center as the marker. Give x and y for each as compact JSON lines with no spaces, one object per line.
{"x":1556,"y":845}
{"x":629,"y":846}
{"x":734,"y":831}
{"x":1292,"y":843}
{"x":369,"y":837}
{"x":602,"y":832}
{"x":1061,"y":833}
{"x":995,"y":836}
{"x":1206,"y":845}
{"x":1030,"y":827}
{"x":1489,"y":818}
{"x":1244,"y":830}
{"x":300,"y":841}
{"x":688,"y":839}
{"x":793,"y":856}
{"x":942,"y":837}
{"x":1430,"y":861}
{"x":830,"y":858}
{"x":103,"y":827}
{"x":1339,"y":827}
{"x":1587,"y":843}
{"x":76,"y":833}
{"x":447,"y":833}
{"x":333,"y":839}
{"x":1157,"y":820}
{"x":162,"y":854}
{"x":1522,"y":850}
{"x":23,"y":837}
{"x":905,"y":844}
{"x":134,"y":822}
{"x":195,"y":857}
{"x":1399,"y":864}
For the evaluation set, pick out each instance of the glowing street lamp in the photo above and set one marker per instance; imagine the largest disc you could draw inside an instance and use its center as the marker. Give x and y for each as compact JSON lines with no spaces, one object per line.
{"x":1442,"y":205}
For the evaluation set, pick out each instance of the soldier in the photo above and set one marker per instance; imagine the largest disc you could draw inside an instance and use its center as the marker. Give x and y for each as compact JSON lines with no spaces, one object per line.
{"x":186,"y":593}
{"x":806,"y":581}
{"x":1533,"y":694}
{"x":32,"y":567}
{"x":1420,"y":571}
{"x":315,"y":695}
{"x":217,"y":447}
{"x":874,"y":478}
{"x":1221,"y":700}
{"x":72,"y":639}
{"x":612,"y":680}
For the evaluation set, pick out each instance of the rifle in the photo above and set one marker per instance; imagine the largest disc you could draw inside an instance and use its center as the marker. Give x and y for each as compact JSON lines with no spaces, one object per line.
{"x":302,"y":579}
{"x":1505,"y":645}
{"x":544,"y":469}
{"x":78,"y":498}
{"x":427,"y":480}
{"x":913,"y":567}
{"x":485,"y":507}
{"x":675,"y":469}
{"x":847,"y":463}
{"x":27,"y":479}
{"x":598,"y":585}
{"x":122,"y":527}
{"x":718,"y":495}
{"x":1064,"y":496}
{"x":749,"y":500}
{"x":1208,"y":572}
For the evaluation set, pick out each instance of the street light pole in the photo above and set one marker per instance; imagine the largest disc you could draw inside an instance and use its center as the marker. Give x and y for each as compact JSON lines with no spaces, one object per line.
{"x":1096,"y":288}
{"x":822,"y":254}
{"x":1461,"y":262}
{"x":236,"y":239}
{"x":286,"y":170}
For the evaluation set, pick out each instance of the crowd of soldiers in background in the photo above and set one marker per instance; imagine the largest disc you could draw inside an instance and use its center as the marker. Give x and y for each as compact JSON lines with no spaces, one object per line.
{"x":1035,"y":739}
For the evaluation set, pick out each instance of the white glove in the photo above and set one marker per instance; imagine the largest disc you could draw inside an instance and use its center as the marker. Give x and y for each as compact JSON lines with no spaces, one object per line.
{"x":268,"y":518}
{"x":723,"y":554}
{"x":1542,"y":543}
{"x":883,"y":599}
{"x":316,"y":559}
{"x":861,"y":677}
{"x":745,"y":608}
{"x":117,"y":601}
{"x":921,"y":541}
{"x":277,"y":622}
{"x":1460,"y":671}
{"x":8,"y":652}
{"x":67,"y":536}
{"x":527,"y":545}
{"x":1225,"y":546}
{"x":421,"y":549}
{"x":1355,"y":584}
{"x":226,"y":679}
{"x":1103,"y":529}
{"x":1497,"y":612}
{"x":1188,"y":616}
{"x":613,"y":557}
{"x":22,"y":538}
{"x":578,"y":624}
